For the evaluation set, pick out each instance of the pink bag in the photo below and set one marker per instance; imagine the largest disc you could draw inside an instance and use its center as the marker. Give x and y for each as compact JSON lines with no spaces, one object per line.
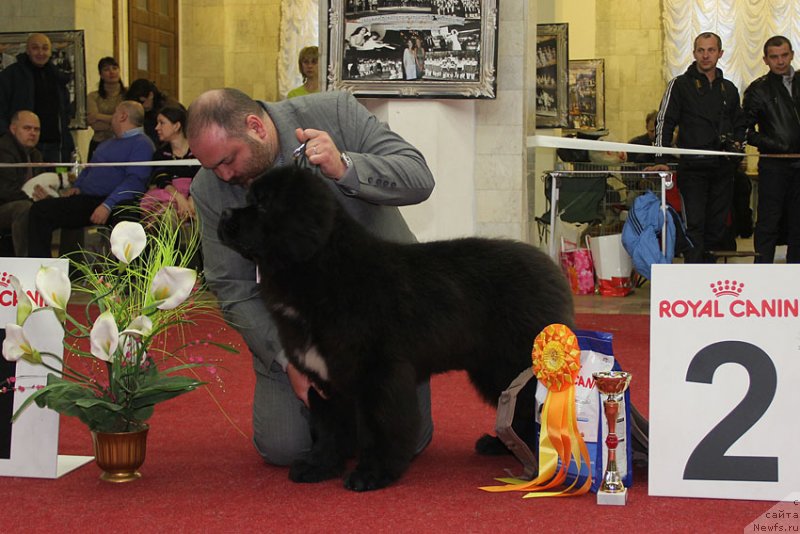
{"x":578,"y":267}
{"x":156,"y":199}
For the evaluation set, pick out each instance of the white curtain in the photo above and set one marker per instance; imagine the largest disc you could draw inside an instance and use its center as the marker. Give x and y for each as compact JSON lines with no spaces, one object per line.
{"x":299,"y":28}
{"x":743,"y":25}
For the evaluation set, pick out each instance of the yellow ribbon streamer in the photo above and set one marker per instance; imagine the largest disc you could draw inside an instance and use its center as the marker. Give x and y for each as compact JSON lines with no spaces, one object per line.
{"x":556,"y":363}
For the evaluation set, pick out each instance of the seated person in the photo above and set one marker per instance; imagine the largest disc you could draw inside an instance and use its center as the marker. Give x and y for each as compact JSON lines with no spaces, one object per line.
{"x":18,"y":145}
{"x":648,"y":139}
{"x":170,"y":184}
{"x":145,"y":92}
{"x":99,"y":192}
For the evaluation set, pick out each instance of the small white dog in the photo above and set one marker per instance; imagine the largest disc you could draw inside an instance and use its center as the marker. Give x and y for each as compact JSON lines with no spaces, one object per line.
{"x":51,"y":181}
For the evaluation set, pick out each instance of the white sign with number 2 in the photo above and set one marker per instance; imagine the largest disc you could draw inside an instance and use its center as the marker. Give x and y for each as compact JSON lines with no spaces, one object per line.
{"x":724,"y":373}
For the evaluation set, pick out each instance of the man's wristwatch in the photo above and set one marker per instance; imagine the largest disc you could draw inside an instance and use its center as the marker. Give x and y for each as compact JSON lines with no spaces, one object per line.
{"x":346,"y":160}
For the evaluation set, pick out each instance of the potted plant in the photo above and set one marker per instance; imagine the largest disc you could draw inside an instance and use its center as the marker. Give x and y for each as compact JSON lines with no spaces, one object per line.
{"x":136,"y":297}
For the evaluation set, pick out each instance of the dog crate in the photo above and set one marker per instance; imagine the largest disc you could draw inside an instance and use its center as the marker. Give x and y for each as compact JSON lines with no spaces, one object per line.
{"x":598,"y":196}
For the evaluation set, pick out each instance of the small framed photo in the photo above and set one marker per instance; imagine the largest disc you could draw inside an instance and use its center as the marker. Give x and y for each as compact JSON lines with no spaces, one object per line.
{"x":70,"y":62}
{"x":587,"y":94}
{"x":552,"y":76}
{"x":416,"y":49}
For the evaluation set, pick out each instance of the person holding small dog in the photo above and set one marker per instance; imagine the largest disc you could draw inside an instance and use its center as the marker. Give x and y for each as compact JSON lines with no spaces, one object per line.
{"x":371,"y":169}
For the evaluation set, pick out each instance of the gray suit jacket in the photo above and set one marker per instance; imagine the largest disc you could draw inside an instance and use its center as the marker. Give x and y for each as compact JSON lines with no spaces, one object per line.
{"x":389,"y":172}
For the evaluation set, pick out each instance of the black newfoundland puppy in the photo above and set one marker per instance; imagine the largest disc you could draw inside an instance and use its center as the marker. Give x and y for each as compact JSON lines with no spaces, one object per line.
{"x":368,"y":319}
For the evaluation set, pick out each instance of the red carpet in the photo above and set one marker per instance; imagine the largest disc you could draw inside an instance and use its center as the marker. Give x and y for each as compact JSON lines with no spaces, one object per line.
{"x":201,"y":474}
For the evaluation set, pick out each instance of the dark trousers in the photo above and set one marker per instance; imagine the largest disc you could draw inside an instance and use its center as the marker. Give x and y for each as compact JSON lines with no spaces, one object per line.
{"x":65,"y":212}
{"x":707,"y":193}
{"x":778,"y":199}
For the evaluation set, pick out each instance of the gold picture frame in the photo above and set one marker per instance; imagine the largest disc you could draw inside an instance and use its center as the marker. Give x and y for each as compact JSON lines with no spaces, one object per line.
{"x":587,"y":109}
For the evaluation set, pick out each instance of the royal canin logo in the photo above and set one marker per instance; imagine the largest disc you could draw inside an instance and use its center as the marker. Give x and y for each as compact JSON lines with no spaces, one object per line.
{"x":725,"y":307}
{"x":8,"y":297}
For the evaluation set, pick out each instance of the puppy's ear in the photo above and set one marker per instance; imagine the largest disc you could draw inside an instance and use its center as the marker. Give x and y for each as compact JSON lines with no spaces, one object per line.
{"x":309,"y":211}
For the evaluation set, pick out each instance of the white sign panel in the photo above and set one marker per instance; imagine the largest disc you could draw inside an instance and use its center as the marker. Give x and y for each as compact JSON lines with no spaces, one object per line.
{"x":724,"y":371}
{"x":29,"y":447}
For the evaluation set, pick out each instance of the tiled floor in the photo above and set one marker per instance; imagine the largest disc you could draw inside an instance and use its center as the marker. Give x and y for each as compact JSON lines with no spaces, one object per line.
{"x":636,"y":303}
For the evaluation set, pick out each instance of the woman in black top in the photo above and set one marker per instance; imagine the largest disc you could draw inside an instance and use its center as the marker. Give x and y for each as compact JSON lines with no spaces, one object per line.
{"x":170,"y":184}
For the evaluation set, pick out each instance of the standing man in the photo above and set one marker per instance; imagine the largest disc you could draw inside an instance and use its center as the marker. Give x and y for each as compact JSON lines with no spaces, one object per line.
{"x":18,"y":145}
{"x":772,"y":103}
{"x":98,"y":191}
{"x":34,"y":83}
{"x":705,"y":106}
{"x":371,"y":169}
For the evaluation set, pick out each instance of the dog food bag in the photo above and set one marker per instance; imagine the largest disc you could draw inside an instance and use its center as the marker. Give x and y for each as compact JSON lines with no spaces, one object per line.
{"x":597,"y":355}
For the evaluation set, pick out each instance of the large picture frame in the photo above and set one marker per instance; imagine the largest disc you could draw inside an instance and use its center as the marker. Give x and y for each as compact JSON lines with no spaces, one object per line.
{"x":587,"y":108}
{"x":552,"y":75}
{"x":69,"y":57}
{"x":420,"y":49}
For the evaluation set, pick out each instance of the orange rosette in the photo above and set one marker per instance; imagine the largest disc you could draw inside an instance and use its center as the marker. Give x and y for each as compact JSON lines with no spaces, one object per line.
{"x":556,"y":363}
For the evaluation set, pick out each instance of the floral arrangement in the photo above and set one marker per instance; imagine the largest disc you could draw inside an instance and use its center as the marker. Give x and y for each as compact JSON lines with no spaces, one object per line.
{"x":135,"y":299}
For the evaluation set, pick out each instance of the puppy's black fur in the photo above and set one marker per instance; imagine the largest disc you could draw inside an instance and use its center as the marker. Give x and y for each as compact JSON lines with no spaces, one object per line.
{"x":368,"y":319}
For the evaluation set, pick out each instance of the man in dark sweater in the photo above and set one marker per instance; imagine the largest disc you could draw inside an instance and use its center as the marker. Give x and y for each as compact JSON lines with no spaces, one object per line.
{"x":18,"y":145}
{"x":99,"y":192}
{"x":35,"y":84}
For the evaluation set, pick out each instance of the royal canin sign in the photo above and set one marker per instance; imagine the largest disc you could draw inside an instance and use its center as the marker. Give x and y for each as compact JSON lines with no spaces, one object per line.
{"x":728,"y":301}
{"x":8,"y":297}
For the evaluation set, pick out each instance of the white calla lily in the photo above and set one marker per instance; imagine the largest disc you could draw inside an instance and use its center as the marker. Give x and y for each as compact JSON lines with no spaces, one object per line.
{"x":104,"y":337}
{"x":141,"y":326}
{"x":128,"y":240}
{"x":24,"y":304}
{"x":172,"y":285}
{"x":54,"y":287}
{"x":16,"y":346}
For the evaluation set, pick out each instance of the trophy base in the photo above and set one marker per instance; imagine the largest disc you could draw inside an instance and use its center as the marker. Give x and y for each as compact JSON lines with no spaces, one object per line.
{"x":618,"y":498}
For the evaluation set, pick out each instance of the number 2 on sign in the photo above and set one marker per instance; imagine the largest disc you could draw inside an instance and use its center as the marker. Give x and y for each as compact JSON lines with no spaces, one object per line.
{"x":708,"y":460}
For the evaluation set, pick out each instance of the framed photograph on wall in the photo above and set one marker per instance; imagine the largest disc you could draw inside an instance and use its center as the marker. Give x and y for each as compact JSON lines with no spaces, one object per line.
{"x":587,"y":107}
{"x":69,"y":58}
{"x":552,"y":76}
{"x":420,"y":49}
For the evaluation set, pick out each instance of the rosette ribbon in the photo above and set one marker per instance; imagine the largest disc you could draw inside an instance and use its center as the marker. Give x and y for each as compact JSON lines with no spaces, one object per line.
{"x":556,"y":363}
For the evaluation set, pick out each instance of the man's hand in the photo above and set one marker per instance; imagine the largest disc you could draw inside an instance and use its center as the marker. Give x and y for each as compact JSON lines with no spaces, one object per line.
{"x":322,"y":151}
{"x":100,"y":214}
{"x":40,"y":193}
{"x":659,"y":167}
{"x":300,"y":383}
{"x":70,"y":192}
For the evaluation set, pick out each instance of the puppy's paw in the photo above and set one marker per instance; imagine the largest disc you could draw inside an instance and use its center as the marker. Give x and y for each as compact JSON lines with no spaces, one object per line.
{"x":491,"y":446}
{"x":305,"y":472}
{"x":368,"y":479}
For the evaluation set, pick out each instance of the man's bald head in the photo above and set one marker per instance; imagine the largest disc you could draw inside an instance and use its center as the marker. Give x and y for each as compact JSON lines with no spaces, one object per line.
{"x":25,"y":128}
{"x":39,"y":49}
{"x":226,"y":108}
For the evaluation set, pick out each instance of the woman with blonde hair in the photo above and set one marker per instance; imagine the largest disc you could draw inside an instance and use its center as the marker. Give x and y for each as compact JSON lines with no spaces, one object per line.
{"x":307,"y":62}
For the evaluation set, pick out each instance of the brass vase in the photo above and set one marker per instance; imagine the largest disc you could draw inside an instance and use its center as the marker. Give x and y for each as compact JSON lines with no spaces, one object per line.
{"x":120,"y":454}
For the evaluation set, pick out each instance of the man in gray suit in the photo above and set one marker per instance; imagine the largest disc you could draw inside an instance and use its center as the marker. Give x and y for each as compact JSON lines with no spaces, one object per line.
{"x":372,"y":170}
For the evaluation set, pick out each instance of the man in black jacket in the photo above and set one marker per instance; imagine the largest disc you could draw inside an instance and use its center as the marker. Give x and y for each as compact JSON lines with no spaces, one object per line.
{"x":18,"y":145}
{"x":705,"y":106}
{"x":35,"y":84}
{"x":772,"y":102}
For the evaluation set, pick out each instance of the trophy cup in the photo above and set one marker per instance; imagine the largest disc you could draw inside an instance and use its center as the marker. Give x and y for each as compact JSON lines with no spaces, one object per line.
{"x":612,"y":384}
